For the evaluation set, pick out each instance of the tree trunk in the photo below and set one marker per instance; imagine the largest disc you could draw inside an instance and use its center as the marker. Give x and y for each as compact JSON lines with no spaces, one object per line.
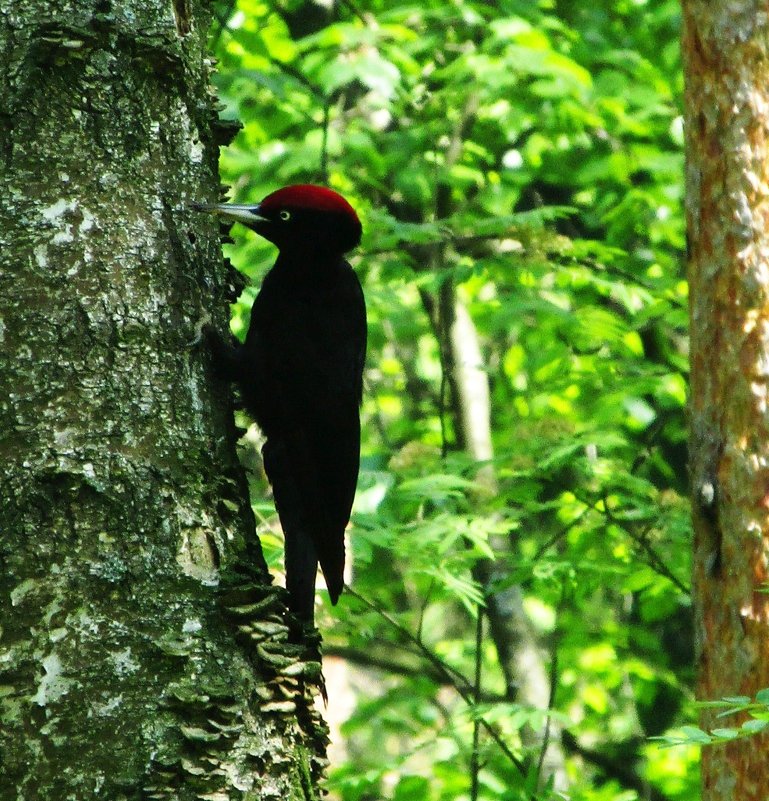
{"x":727,"y":118}
{"x":143,"y":653}
{"x":521,"y":657}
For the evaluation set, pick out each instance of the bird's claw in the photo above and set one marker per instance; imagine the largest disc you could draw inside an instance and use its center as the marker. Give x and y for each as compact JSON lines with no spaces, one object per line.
{"x":200,"y":327}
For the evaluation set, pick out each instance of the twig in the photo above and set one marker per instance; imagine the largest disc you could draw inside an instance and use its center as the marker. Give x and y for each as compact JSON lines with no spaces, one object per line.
{"x":324,"y":143}
{"x":423,"y":608}
{"x":475,"y":765}
{"x":355,"y":11}
{"x":656,"y":562}
{"x":434,"y":316}
{"x":450,"y":674}
{"x":559,"y":535}
{"x":398,"y":667}
{"x":222,"y":16}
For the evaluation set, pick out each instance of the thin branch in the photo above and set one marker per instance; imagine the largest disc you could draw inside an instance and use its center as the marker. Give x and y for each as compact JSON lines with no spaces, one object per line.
{"x":423,"y":608}
{"x":301,"y":78}
{"x":558,"y":536}
{"x":356,"y":12}
{"x":381,"y":427}
{"x":442,"y":403}
{"x":395,"y":667}
{"x":451,"y":675}
{"x":448,"y":239}
{"x":475,"y":765}
{"x":324,"y":142}
{"x":222,"y":16}
{"x":655,"y":561}
{"x":433,"y":315}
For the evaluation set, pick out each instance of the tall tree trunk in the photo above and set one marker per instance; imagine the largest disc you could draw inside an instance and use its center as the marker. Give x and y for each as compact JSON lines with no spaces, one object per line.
{"x":727,"y":182}
{"x":521,"y":657}
{"x":142,"y":652}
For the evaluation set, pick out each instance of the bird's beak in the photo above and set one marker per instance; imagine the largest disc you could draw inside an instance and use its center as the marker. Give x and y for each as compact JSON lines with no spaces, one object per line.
{"x":244,"y":214}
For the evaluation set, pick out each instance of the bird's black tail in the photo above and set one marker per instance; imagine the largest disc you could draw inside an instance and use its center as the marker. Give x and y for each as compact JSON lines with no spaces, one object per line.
{"x":301,"y":561}
{"x":301,"y":555}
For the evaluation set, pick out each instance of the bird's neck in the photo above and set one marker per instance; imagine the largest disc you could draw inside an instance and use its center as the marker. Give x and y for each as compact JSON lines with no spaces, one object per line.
{"x":308,"y":264}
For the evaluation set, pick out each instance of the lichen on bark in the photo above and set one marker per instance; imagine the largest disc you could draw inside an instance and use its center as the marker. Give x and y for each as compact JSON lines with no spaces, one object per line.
{"x":127,"y":670}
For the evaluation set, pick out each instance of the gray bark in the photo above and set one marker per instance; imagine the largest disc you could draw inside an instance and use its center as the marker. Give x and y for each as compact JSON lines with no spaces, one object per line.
{"x":143,"y":653}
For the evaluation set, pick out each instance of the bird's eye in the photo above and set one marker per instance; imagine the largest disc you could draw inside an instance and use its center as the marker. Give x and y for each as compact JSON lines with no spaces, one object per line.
{"x":285,"y":215}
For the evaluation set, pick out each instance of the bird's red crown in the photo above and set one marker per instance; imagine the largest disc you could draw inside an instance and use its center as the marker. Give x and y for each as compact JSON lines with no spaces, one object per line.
{"x":308,"y":196}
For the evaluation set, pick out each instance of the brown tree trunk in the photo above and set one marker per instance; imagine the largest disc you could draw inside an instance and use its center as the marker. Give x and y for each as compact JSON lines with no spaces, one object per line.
{"x":727,"y":180}
{"x":142,"y":652}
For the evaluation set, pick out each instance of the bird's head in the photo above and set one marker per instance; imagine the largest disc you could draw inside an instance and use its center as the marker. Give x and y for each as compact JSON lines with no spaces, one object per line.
{"x":302,"y":217}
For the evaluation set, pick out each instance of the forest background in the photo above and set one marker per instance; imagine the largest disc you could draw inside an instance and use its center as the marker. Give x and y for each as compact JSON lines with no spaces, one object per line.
{"x":521,"y":535}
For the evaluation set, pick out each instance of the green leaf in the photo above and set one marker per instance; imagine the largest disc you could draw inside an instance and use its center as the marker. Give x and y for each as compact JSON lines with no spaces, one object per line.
{"x":755,"y":726}
{"x":737,"y":700}
{"x":694,"y":735}
{"x":725,"y":734}
{"x":412,"y":788}
{"x":762,"y":696}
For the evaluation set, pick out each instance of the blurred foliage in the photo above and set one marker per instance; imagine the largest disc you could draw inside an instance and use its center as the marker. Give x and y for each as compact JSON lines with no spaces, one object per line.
{"x":537,"y":149}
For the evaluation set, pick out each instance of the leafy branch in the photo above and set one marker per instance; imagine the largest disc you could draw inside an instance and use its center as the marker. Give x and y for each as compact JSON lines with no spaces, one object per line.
{"x":757,"y":723}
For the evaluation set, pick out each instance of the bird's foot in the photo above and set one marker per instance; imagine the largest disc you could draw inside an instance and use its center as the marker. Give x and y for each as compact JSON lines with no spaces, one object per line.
{"x":200,"y":326}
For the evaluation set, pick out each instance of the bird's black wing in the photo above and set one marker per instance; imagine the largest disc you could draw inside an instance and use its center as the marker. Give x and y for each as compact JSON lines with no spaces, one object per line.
{"x":309,"y":342}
